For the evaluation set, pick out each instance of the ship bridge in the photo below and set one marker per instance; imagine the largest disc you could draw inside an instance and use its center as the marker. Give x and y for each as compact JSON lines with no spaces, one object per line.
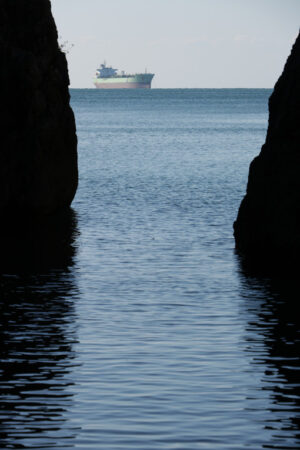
{"x":106,"y":72}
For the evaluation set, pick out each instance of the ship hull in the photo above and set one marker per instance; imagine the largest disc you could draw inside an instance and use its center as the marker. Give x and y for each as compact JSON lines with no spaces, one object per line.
{"x":122,"y":85}
{"x":138,"y":81}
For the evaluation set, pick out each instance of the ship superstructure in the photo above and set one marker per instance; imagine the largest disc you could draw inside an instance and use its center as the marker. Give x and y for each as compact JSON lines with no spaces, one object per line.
{"x":109,"y":78}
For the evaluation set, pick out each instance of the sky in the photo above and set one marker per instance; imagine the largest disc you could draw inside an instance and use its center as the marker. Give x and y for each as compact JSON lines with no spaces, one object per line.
{"x":186,"y":43}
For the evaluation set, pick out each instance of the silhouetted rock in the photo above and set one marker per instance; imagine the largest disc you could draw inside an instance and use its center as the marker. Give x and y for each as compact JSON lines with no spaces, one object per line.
{"x":267,"y":228}
{"x":38,"y":144}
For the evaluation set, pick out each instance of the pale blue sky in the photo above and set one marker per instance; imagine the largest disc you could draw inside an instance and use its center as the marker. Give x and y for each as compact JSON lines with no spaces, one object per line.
{"x":186,"y":43}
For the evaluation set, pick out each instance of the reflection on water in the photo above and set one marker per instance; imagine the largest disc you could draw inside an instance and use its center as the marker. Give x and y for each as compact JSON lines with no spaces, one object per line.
{"x":273,"y":335}
{"x":44,"y":244}
{"x":37,"y":333}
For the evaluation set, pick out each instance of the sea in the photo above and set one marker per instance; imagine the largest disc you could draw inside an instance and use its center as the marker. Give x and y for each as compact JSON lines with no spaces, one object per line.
{"x":134,"y":324}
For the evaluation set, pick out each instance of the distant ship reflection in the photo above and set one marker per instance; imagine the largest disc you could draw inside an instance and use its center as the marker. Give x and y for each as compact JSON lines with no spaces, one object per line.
{"x":37,"y":333}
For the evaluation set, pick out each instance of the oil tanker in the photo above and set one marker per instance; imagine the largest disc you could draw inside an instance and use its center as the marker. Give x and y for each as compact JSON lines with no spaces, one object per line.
{"x":109,"y":78}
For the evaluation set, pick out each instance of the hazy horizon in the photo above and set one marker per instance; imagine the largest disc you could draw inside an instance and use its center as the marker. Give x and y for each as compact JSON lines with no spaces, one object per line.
{"x":186,"y":43}
{"x":191,"y":88}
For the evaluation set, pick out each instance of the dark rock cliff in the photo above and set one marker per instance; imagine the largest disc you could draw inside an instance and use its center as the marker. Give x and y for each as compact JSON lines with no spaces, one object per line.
{"x":267,"y":228}
{"x":38,"y":144}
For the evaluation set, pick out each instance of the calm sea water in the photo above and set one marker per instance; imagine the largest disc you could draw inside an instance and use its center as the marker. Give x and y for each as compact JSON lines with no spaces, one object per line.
{"x":132,"y":324}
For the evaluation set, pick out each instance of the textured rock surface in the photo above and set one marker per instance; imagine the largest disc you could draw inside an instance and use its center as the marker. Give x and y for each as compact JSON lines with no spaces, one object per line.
{"x":38,"y":144}
{"x":268,"y":222}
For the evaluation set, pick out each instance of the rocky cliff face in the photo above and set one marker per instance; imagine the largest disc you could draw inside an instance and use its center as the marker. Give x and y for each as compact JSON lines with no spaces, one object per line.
{"x":268,"y":223}
{"x":38,"y":144}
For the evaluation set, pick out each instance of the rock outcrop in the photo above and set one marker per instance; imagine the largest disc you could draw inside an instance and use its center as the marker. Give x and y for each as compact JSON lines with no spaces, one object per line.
{"x":38,"y":144}
{"x":267,"y":229}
